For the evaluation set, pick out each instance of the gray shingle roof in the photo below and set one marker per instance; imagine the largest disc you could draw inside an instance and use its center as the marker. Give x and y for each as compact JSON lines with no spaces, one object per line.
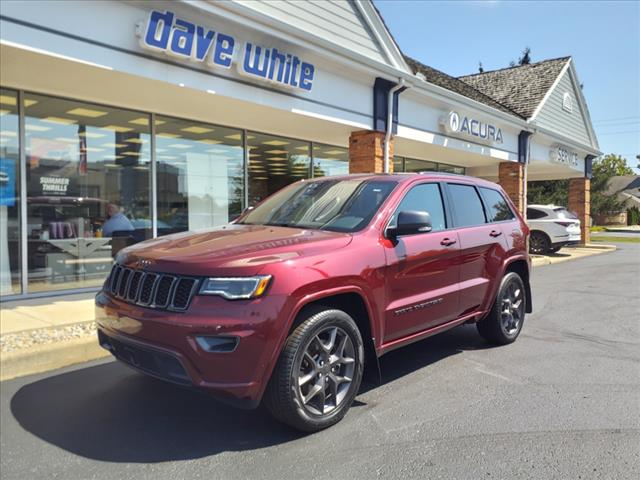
{"x":520,"y":88}
{"x":443,"y":80}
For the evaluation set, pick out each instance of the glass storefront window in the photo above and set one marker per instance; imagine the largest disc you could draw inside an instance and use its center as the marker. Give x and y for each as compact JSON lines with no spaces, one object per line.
{"x":9,"y":194}
{"x":398,"y":165}
{"x":87,"y":189}
{"x":415,"y":165}
{"x":275,"y":162}
{"x":200,"y":175}
{"x":450,"y":169}
{"x":329,"y":160}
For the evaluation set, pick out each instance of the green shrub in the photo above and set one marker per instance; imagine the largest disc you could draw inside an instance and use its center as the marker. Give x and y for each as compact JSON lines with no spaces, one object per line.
{"x":633,"y":216}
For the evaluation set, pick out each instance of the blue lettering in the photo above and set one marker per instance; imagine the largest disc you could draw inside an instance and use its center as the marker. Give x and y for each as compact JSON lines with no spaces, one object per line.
{"x":287,"y":70}
{"x":153,"y":38}
{"x":254,"y":67}
{"x":294,"y":67}
{"x":276,"y":56}
{"x":203,"y":42}
{"x":483,"y":135}
{"x":474,"y":131}
{"x":492,"y":132}
{"x":499,"y":136}
{"x":306,"y":76}
{"x":465,"y":125}
{"x":182,"y":40}
{"x":224,"y":50}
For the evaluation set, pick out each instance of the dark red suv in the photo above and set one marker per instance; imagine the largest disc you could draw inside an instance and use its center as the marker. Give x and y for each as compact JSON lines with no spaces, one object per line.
{"x":292,"y":301}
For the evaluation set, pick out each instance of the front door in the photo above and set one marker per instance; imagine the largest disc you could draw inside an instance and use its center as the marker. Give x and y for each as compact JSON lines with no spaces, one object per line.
{"x":422,"y":269}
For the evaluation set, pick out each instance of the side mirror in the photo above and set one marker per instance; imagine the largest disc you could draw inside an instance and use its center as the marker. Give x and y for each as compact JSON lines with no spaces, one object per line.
{"x":411,"y":222}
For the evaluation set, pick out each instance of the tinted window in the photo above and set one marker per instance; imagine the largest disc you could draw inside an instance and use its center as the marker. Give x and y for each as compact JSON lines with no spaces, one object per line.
{"x":562,"y":212}
{"x":499,"y":210}
{"x":424,"y":197}
{"x":467,"y":205}
{"x":533,"y":214}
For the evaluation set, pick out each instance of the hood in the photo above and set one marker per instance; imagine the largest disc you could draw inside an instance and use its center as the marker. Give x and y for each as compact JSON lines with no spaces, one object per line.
{"x":231,"y":249}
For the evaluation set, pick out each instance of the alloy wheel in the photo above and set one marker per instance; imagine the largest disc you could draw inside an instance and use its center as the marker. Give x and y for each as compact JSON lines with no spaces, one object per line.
{"x":512,"y":308}
{"x":326,"y":370}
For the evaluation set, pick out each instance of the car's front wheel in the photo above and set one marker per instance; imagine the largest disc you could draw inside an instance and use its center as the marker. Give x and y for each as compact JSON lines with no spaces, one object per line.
{"x":504,"y":322}
{"x":319,"y":371}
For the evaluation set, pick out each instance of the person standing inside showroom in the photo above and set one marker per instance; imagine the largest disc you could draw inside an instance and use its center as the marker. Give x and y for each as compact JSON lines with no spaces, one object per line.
{"x":116,"y":222}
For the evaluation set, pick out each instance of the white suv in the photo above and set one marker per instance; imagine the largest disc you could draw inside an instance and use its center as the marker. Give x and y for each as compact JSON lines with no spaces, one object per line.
{"x":552,"y":227}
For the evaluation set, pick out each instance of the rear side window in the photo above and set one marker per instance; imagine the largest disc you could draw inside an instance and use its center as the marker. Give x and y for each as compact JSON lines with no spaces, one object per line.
{"x":467,"y":205}
{"x":425,"y":197}
{"x":534,"y":214}
{"x":499,"y":209}
{"x":562,"y":212}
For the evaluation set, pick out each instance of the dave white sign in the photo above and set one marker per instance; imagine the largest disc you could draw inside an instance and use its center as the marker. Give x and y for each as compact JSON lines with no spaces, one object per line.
{"x":455,"y":122}
{"x":164,"y":32}
{"x":561,"y":154}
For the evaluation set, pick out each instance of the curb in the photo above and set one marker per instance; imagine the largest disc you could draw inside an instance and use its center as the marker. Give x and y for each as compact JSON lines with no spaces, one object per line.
{"x":50,"y":356}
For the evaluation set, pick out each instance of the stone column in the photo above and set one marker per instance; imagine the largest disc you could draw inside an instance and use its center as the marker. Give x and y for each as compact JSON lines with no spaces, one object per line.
{"x":511,"y":179}
{"x":580,"y":203}
{"x":366,"y":152}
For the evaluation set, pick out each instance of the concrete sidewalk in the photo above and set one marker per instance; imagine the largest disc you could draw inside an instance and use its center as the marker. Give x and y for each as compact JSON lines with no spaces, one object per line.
{"x":42,"y":334}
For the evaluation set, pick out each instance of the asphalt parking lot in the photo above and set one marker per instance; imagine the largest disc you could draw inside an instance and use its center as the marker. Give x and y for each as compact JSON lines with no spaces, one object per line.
{"x":562,"y":402}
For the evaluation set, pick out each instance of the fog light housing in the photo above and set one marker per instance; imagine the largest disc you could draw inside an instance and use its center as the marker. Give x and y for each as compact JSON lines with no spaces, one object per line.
{"x":217,"y":344}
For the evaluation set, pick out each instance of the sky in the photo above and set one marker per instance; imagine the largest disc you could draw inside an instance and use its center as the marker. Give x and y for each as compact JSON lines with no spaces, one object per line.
{"x":603,"y":37}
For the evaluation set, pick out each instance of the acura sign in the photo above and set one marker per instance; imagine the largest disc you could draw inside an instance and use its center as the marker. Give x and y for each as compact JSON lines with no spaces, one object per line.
{"x":457,"y":123}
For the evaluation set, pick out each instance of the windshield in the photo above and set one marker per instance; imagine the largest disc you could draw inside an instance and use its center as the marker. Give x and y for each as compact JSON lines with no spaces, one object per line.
{"x":336,"y":205}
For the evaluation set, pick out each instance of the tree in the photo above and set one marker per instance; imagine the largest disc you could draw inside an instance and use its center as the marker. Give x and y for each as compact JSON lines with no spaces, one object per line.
{"x":544,"y":192}
{"x":480,"y":68}
{"x":524,"y":59}
{"x":608,"y":166}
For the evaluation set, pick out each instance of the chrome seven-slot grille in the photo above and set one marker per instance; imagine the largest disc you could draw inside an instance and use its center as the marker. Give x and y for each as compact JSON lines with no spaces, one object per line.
{"x":151,"y":289}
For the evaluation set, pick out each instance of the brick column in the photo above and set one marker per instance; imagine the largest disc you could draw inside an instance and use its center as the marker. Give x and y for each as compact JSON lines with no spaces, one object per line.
{"x":366,"y":152}
{"x":511,"y":178}
{"x":580,"y":203}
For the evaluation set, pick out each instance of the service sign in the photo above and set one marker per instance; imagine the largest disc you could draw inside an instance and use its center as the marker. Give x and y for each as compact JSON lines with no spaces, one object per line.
{"x":464,"y":125}
{"x":179,"y":38}
{"x":562,"y":154}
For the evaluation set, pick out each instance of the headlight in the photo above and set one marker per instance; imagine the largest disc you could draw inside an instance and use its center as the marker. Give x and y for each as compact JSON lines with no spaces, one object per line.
{"x":236,"y":288}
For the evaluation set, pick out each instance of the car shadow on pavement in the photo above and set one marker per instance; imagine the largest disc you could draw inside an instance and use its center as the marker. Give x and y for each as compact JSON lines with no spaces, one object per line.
{"x":109,"y":413}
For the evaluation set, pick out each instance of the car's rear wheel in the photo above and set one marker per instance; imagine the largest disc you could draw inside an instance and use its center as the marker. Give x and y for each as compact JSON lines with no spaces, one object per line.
{"x":504,"y":322}
{"x":539,"y":243}
{"x":318,"y":373}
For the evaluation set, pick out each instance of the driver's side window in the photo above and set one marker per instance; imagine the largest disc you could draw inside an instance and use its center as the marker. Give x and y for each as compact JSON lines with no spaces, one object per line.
{"x":425,"y":197}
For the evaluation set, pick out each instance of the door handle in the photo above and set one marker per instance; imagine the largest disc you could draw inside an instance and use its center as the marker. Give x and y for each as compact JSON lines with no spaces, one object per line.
{"x":495,"y":233}
{"x":447,"y":242}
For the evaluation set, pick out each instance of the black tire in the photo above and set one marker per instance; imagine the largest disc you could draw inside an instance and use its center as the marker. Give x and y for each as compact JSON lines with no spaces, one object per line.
{"x":539,"y":243}
{"x":554,"y":249}
{"x":500,"y":327}
{"x":286,"y":393}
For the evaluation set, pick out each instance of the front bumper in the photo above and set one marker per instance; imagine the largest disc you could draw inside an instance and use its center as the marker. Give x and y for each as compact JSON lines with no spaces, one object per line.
{"x":163,"y":344}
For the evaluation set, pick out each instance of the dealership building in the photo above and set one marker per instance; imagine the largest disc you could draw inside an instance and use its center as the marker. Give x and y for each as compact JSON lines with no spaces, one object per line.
{"x":182,"y":114}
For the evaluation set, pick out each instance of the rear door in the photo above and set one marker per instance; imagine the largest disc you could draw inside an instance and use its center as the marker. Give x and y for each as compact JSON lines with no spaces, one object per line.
{"x":482,"y":245}
{"x":422,"y":270}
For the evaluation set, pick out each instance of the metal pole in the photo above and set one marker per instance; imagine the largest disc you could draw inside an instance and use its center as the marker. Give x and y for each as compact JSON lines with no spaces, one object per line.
{"x":22,"y":168}
{"x":154,"y":179}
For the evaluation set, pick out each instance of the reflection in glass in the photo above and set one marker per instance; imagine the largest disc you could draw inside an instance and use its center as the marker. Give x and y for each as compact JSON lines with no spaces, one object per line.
{"x":200,"y":178}
{"x":398,"y":165}
{"x":329,"y":160}
{"x":275,"y":162}
{"x":9,"y":194}
{"x":87,"y":189}
{"x":415,"y":165}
